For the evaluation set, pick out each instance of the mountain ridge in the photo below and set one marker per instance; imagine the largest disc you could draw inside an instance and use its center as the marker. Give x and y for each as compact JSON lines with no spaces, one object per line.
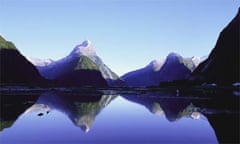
{"x":159,"y":71}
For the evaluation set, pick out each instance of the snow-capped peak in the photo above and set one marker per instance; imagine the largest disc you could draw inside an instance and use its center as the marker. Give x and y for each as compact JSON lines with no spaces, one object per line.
{"x":86,"y":43}
{"x":157,"y":64}
{"x":85,"y":48}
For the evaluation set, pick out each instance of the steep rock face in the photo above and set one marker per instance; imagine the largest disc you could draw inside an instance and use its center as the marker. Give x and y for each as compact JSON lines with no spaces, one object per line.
{"x":15,"y":68}
{"x":82,"y":57}
{"x":77,"y":71}
{"x":88,"y":49}
{"x":222,"y":65}
{"x":175,"y":67}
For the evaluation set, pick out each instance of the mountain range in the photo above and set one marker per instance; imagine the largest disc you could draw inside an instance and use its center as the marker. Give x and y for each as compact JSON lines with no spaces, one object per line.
{"x":82,"y":67}
{"x":174,"y":67}
{"x":221,"y":67}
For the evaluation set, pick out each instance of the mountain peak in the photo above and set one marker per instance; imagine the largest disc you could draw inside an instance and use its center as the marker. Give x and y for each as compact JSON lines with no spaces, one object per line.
{"x":4,"y":44}
{"x":85,"y":48}
{"x":86,"y":43}
{"x":173,"y":54}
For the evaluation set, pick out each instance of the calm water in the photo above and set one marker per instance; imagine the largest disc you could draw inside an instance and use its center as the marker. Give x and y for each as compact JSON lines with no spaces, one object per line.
{"x":118,"y":117}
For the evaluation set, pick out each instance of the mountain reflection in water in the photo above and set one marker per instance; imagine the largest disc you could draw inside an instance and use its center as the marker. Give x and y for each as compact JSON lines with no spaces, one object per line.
{"x":81,"y":110}
{"x":113,"y":117}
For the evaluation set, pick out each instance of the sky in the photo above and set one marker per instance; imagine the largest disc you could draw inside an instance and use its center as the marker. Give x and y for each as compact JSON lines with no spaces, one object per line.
{"x":127,"y":34}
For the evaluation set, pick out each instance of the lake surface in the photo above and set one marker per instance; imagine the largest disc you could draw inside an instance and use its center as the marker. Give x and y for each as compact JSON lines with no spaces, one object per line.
{"x":110,"y":116}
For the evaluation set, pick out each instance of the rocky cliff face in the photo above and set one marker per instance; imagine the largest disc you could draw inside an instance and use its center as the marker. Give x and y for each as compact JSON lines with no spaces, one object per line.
{"x":223,"y":64}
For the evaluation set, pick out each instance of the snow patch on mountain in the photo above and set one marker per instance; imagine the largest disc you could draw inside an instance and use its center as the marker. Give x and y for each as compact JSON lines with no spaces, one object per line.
{"x":203,"y":58}
{"x":85,"y":48}
{"x":40,"y":62}
{"x":196,"y":60}
{"x":157,"y":64}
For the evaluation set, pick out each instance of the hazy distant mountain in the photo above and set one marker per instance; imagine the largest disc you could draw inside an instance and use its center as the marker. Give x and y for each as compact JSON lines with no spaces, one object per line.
{"x":83,"y":57}
{"x":144,"y":76}
{"x":223,"y":64}
{"x":14,"y":67}
{"x":175,"y":67}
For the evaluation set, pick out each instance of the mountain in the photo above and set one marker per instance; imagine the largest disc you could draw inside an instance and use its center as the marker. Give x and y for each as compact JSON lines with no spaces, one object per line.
{"x":222,"y":65}
{"x":83,"y":58}
{"x":175,"y":67}
{"x":15,"y":68}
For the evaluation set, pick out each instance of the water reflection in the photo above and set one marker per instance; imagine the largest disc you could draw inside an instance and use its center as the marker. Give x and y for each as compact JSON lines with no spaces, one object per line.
{"x":80,"y":109}
{"x":12,"y":106}
{"x":119,"y":121}
{"x":223,"y":115}
{"x":166,"y":103}
{"x":220,"y":108}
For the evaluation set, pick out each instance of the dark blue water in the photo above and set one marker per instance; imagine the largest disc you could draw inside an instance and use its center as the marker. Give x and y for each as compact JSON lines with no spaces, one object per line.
{"x":53,"y":117}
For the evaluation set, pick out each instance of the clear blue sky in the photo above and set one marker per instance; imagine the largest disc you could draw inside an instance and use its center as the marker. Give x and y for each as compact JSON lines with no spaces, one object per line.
{"x":127,"y":34}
